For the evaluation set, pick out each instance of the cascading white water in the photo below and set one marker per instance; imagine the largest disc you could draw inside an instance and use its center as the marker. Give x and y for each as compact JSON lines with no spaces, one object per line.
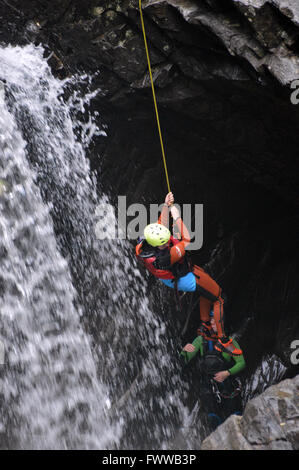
{"x":50,"y":377}
{"x":88,"y":362}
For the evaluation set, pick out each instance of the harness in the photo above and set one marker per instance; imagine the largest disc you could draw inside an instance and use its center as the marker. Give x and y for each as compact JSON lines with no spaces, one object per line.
{"x":179,"y":269}
{"x":213,"y":362}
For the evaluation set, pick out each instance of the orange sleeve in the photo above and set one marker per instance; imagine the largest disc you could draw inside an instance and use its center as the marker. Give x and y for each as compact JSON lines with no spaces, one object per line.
{"x":184,"y":232}
{"x":138,"y":249}
{"x":177,"y":252}
{"x":164,"y":216}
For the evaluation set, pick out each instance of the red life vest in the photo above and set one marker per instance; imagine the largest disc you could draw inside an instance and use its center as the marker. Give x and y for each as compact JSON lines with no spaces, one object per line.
{"x":180,"y":268}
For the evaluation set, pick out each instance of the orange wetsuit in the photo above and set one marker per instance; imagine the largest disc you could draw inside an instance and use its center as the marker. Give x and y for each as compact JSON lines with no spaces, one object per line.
{"x":210,"y":292}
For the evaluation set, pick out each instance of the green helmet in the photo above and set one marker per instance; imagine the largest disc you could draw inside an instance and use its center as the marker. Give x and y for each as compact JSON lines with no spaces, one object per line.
{"x":156,"y":234}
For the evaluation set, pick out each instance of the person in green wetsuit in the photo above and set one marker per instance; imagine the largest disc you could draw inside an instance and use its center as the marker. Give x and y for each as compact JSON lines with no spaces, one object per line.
{"x":219,"y":386}
{"x":191,"y":350}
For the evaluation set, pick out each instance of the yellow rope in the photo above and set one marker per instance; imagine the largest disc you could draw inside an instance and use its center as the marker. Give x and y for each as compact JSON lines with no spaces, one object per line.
{"x":154,"y":95}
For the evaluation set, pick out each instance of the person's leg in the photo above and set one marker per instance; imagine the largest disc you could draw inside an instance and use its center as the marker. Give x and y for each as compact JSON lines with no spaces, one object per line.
{"x":206,"y":285}
{"x":224,"y":343}
{"x":218,"y":316}
{"x":205,"y":328}
{"x":204,"y":309}
{"x":210,"y":290}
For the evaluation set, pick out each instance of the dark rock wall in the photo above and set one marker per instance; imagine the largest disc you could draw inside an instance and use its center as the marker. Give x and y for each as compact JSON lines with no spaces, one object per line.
{"x":269,"y":422}
{"x":222,"y":72}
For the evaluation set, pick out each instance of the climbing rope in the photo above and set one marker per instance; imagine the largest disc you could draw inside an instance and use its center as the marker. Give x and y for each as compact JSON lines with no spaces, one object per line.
{"x":154,"y":94}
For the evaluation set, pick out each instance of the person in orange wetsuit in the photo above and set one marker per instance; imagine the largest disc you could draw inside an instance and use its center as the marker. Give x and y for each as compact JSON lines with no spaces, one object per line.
{"x":165,"y":257}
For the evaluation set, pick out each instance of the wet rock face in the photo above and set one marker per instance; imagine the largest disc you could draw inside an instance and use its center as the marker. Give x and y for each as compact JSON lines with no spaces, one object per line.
{"x":222,"y":69}
{"x":269,"y":422}
{"x":222,"y":72}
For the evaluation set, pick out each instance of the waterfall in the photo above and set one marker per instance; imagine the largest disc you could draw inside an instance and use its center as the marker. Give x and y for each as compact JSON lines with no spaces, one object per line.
{"x":51,"y":396}
{"x":89,"y":358}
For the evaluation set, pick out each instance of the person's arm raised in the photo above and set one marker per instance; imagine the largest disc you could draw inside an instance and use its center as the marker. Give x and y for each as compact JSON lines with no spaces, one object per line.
{"x":164,"y":216}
